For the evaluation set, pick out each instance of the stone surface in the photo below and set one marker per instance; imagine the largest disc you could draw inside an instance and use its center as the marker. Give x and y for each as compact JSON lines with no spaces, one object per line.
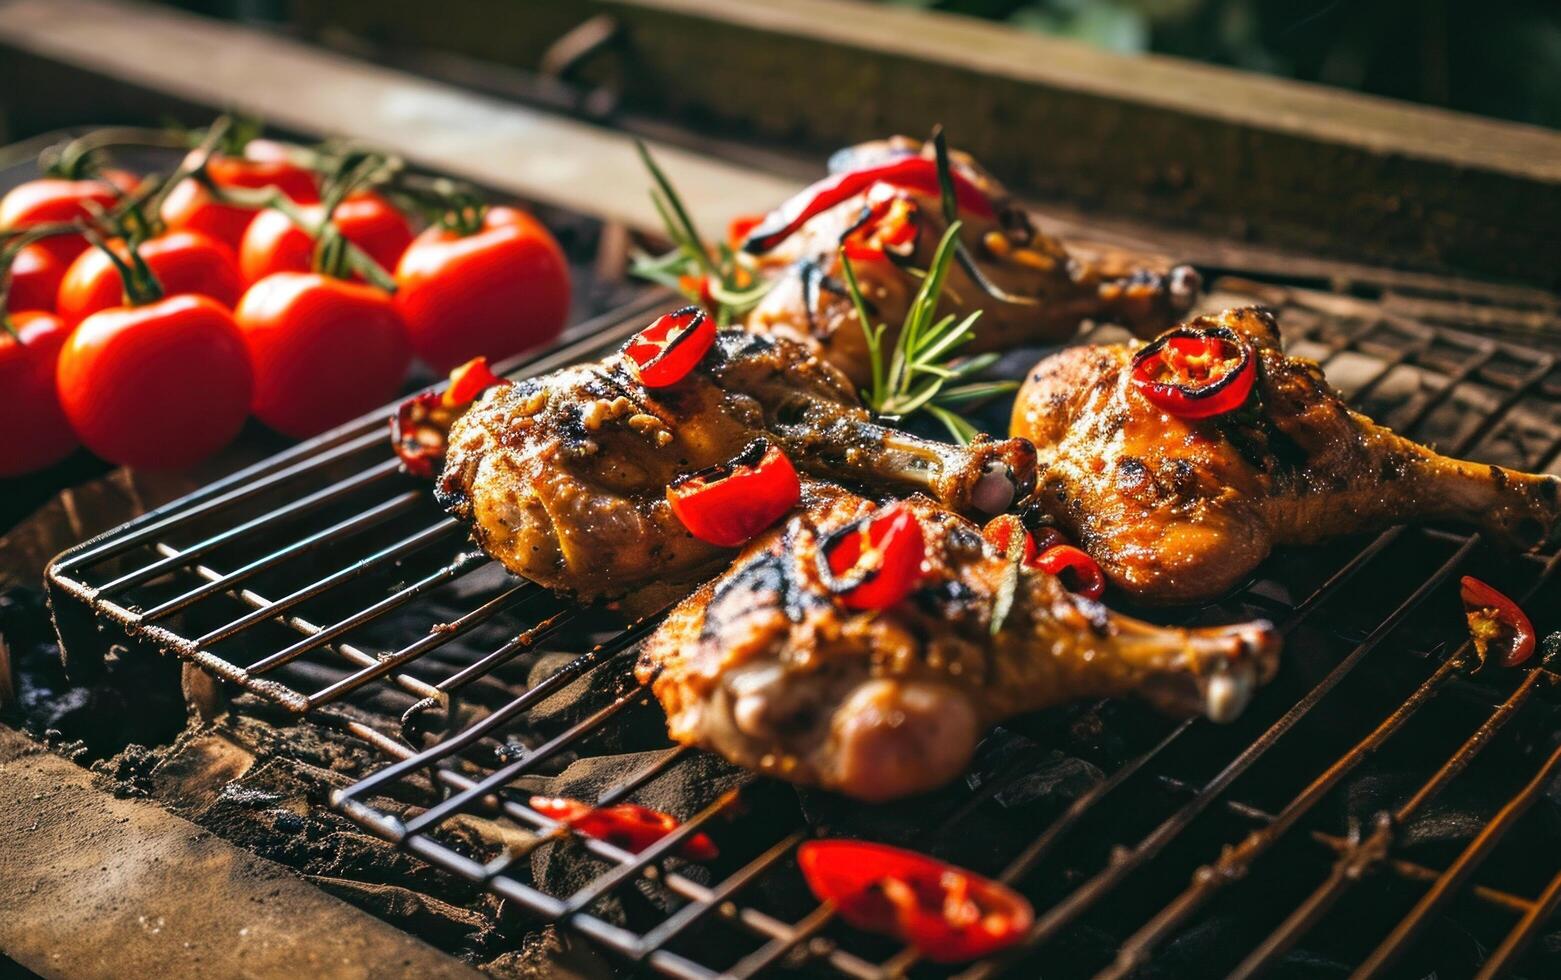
{"x":99,"y":886}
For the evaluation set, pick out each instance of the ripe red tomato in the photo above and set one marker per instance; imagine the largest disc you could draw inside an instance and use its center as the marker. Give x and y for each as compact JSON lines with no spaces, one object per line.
{"x":264,"y":164}
{"x":493,"y":293}
{"x":37,"y":433}
{"x":324,"y":350}
{"x":182,"y":261}
{"x":273,"y":243}
{"x":155,"y":386}
{"x":35,"y":279}
{"x":51,"y":199}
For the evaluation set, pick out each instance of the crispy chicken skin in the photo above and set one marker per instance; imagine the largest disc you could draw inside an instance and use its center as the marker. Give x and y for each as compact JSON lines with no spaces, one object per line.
{"x":1180,"y":511}
{"x":564,"y":478}
{"x":766,"y":668}
{"x":809,"y":301}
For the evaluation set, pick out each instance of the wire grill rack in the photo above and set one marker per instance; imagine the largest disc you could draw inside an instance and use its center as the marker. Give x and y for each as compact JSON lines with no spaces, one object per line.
{"x":297,"y":579}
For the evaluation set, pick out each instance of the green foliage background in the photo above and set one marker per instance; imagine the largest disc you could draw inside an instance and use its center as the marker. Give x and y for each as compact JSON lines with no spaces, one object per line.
{"x":1498,"y":58}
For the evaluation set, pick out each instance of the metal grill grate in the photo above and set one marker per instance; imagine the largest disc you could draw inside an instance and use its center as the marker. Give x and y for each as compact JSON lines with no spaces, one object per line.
{"x":299,"y":580}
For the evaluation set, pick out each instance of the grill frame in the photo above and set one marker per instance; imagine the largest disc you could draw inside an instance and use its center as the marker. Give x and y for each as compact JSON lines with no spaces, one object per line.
{"x":787,"y":939}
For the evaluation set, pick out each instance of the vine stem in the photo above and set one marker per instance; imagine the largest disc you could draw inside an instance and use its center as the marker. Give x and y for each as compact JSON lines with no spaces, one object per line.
{"x":269,"y":197}
{"x":141,"y":285}
{"x":12,"y":241}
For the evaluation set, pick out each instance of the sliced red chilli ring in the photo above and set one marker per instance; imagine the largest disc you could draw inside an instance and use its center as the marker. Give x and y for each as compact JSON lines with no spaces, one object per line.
{"x":874,"y":562}
{"x":948,"y":914}
{"x":999,"y":532}
{"x":666,"y":351}
{"x":418,"y":437}
{"x":1078,"y":571}
{"x":420,"y":430}
{"x":1496,"y":623}
{"x":914,"y":173}
{"x":727,"y":504}
{"x":470,"y":380}
{"x":626,"y":825}
{"x":887,"y":227}
{"x":1195,"y":373}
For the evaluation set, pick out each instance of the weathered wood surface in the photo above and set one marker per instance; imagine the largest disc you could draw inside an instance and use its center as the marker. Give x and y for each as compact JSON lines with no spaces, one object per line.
{"x":115,"y":62}
{"x":1235,"y":155}
{"x":298,"y":86}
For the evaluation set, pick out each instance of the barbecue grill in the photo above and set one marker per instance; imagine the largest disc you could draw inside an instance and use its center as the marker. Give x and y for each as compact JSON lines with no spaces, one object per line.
{"x":298,"y":580}
{"x":1385,"y":807}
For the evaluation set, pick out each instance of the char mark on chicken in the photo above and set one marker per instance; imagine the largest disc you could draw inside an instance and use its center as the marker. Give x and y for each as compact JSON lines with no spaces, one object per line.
{"x":1050,"y":290}
{"x":1181,"y":510}
{"x":767,"y":668}
{"x":564,"y":478}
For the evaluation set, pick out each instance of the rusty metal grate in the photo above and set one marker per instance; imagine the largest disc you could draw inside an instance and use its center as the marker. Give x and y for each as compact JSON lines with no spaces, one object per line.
{"x":301,"y":579}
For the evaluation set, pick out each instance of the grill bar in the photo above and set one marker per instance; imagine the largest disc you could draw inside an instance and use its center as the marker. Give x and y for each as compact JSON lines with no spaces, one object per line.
{"x":358,"y":523}
{"x":1515,"y":942}
{"x":1467,"y":862}
{"x":1445,"y":370}
{"x":1235,"y":862}
{"x":319,"y":587}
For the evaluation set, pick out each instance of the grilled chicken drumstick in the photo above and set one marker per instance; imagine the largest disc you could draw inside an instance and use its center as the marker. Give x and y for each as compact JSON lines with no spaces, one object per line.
{"x":886,"y":226}
{"x":1178,"y":510}
{"x":769,"y":668}
{"x":564,"y":478}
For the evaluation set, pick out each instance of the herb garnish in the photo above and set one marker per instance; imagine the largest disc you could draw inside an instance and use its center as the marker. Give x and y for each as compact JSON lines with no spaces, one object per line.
{"x":722,"y":279}
{"x":921,"y":366}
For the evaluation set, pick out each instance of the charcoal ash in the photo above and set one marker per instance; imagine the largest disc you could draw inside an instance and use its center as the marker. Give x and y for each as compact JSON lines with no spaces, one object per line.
{"x":135,"y":700}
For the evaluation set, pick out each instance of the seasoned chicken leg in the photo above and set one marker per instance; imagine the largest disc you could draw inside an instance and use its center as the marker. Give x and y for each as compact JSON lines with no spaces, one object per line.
{"x":1178,"y":511}
{"x":767,"y":668}
{"x":564,"y":478}
{"x":1055,"y":290}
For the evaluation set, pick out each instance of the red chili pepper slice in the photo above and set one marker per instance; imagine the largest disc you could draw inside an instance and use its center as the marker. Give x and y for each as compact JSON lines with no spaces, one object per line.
{"x":1195,"y":373}
{"x":470,"y":380}
{"x":1000,"y":529}
{"x":1496,"y":622}
{"x":949,"y":914}
{"x":914,"y":173}
{"x":1078,"y":571}
{"x":729,"y":503}
{"x":888,"y":223}
{"x":874,"y":562}
{"x":420,"y":429}
{"x":738,"y":228}
{"x":668,"y":349}
{"x":626,"y":825}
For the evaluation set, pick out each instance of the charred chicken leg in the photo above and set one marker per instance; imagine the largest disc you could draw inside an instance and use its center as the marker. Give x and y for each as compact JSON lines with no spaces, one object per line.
{"x":1180,"y":510}
{"x":564,"y":478}
{"x":886,"y":228}
{"x":766,"y":666}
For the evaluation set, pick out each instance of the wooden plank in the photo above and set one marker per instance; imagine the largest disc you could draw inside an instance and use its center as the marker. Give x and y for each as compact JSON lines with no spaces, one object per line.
{"x":298,"y":86}
{"x":98,"y":886}
{"x":1231,"y":154}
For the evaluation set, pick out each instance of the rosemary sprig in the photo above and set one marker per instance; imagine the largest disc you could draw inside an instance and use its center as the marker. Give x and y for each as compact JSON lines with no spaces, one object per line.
{"x":723,"y":276}
{"x":922,"y":364}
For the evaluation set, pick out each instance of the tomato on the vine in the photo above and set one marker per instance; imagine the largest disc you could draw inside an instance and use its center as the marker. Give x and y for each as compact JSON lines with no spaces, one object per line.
{"x":160,"y":385}
{"x":182,"y":261}
{"x":495,"y":292}
{"x":38,"y":434}
{"x":273,"y":243}
{"x":55,"y":199}
{"x":35,"y":279}
{"x":263,"y":164}
{"x":324,"y":350}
